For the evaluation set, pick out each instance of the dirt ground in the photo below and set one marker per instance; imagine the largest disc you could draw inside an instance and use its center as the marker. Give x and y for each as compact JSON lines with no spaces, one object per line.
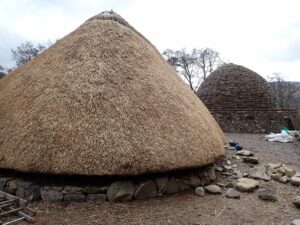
{"x":187,"y":208}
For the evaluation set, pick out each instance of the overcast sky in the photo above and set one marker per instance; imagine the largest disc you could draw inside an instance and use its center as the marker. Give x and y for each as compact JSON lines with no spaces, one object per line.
{"x":259,"y":34}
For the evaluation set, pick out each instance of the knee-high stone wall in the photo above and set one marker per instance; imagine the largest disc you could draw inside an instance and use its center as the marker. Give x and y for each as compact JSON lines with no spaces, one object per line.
{"x":253,"y":121}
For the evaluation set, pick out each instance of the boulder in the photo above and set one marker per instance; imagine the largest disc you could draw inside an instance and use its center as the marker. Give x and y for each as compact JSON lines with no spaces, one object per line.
{"x":251,"y":160}
{"x":295,"y":180}
{"x":244,"y":153}
{"x":246,"y":184}
{"x":232,"y":193}
{"x":259,"y":173}
{"x":146,"y":189}
{"x":285,"y":179}
{"x":296,"y":201}
{"x":267,"y":194}
{"x":200,"y":191}
{"x":120,"y":191}
{"x":296,"y":222}
{"x":213,"y":189}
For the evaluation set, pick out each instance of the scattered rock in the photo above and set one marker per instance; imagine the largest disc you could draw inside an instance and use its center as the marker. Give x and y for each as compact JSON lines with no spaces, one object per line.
{"x":228,"y":167}
{"x":213,"y":189}
{"x":285,"y":179}
{"x":246,"y":184}
{"x":120,"y":191}
{"x":244,"y":153}
{"x":259,"y":173}
{"x":276,"y":176}
{"x":232,"y":193}
{"x":200,"y":191}
{"x":245,"y":174}
{"x":289,"y":172}
{"x":96,"y":197}
{"x":234,"y":166}
{"x":296,"y":201}
{"x":267,"y":194}
{"x":229,"y":185}
{"x":219,"y":169}
{"x":161,"y":183}
{"x":295,"y":180}
{"x":228,"y":162}
{"x":145,"y":190}
{"x":238,"y":173}
{"x":273,"y":166}
{"x":296,"y":222}
{"x":251,"y":160}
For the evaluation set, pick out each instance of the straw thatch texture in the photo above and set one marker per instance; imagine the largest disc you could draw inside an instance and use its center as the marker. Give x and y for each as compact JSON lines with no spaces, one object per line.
{"x":235,"y":87}
{"x":102,"y":101}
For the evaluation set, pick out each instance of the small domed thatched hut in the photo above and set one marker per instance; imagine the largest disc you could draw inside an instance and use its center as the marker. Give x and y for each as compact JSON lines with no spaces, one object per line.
{"x":102,"y":101}
{"x":241,"y":100}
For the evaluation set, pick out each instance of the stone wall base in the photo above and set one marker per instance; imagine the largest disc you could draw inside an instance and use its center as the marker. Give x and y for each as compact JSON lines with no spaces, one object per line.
{"x":82,"y":189}
{"x":253,"y":121}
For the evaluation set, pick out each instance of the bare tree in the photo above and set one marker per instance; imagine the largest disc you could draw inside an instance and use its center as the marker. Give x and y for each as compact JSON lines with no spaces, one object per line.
{"x":25,"y":52}
{"x":2,"y":69}
{"x":285,"y":91}
{"x":193,"y":66}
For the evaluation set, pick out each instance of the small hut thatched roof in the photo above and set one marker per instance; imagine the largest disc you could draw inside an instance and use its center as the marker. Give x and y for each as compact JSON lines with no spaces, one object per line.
{"x":102,"y":101}
{"x":235,"y":87}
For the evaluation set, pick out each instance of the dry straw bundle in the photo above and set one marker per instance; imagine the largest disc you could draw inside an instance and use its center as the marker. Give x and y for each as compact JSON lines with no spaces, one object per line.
{"x":102,"y":101}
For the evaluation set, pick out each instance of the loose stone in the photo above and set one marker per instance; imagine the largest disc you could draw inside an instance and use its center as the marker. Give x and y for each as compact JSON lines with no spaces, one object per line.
{"x":259,"y":173}
{"x":296,"y":222}
{"x":246,"y":184}
{"x":213,"y":189}
{"x":251,"y":160}
{"x":200,"y":191}
{"x":232,"y":193}
{"x":295,"y":180}
{"x":296,"y":201}
{"x":244,"y":153}
{"x":267,"y":194}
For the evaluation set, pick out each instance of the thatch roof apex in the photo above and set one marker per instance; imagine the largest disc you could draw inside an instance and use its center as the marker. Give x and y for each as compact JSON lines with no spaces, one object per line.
{"x":110,"y":15}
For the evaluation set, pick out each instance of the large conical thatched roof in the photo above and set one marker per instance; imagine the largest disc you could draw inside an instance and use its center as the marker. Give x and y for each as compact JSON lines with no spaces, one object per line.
{"x":102,"y":101}
{"x":235,"y":87}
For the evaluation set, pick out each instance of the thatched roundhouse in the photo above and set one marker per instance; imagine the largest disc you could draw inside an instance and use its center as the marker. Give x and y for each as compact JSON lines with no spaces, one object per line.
{"x":242,"y":101}
{"x":102,"y":101}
